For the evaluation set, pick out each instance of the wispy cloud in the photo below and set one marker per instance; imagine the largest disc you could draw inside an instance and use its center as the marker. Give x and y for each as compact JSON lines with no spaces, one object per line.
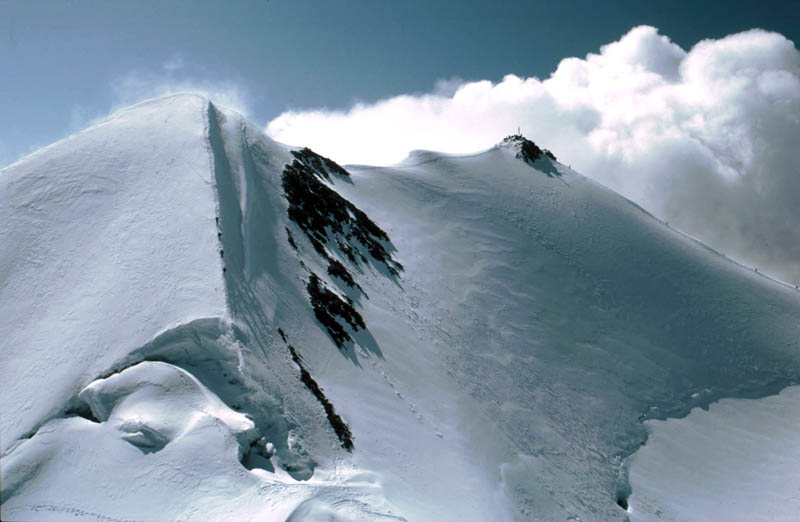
{"x":136,"y":86}
{"x":705,"y":138}
{"x":173,"y":63}
{"x":175,"y":75}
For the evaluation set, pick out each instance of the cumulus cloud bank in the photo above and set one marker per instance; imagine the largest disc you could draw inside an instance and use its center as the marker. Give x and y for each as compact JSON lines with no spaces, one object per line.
{"x":707,"y":139}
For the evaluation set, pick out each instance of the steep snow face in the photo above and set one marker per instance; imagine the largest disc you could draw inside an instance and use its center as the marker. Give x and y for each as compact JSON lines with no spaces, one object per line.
{"x":108,"y":239}
{"x":150,"y":252}
{"x":246,"y":331}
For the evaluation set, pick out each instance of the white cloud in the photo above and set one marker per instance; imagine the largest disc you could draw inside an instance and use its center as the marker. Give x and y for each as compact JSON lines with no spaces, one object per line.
{"x":705,"y":138}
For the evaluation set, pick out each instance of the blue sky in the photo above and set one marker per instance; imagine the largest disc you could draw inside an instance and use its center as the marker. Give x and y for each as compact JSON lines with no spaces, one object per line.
{"x":678,"y":105}
{"x":67,"y":62}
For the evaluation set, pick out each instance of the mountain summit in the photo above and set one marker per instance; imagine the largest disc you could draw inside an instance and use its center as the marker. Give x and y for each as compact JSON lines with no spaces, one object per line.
{"x":525,"y":148}
{"x":203,"y":324}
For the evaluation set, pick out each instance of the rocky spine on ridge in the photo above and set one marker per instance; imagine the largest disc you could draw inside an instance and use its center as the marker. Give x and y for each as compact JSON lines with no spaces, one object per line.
{"x":340,"y":427}
{"x":332,"y":222}
{"x":320,"y":164}
{"x":527,"y":150}
{"x":327,"y":304}
{"x":326,"y":217}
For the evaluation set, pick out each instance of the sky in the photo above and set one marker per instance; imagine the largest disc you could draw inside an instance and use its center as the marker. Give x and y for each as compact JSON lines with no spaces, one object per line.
{"x":680,"y":106}
{"x":66,"y":62}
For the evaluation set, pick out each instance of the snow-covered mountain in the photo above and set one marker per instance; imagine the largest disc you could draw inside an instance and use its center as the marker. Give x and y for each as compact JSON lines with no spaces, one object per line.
{"x":202,"y":324}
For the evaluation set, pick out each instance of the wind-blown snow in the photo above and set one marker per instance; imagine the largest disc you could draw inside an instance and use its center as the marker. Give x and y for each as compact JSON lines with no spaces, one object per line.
{"x":161,"y":321}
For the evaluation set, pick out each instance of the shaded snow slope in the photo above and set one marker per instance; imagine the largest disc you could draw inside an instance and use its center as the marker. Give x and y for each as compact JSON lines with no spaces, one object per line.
{"x":246,"y":331}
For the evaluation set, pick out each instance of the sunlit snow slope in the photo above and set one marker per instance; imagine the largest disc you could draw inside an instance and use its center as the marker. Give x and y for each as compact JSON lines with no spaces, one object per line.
{"x":736,"y":461}
{"x":200,"y":323}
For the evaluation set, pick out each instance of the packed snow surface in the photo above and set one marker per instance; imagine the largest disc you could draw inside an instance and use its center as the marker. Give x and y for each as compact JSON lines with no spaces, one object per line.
{"x":164,"y":356}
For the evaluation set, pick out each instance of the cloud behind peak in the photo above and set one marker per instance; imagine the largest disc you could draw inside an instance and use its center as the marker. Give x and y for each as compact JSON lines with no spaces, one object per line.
{"x":705,"y":139}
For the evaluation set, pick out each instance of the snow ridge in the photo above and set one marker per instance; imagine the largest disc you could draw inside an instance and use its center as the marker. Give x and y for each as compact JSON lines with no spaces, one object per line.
{"x":157,"y":266}
{"x":245,"y":384}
